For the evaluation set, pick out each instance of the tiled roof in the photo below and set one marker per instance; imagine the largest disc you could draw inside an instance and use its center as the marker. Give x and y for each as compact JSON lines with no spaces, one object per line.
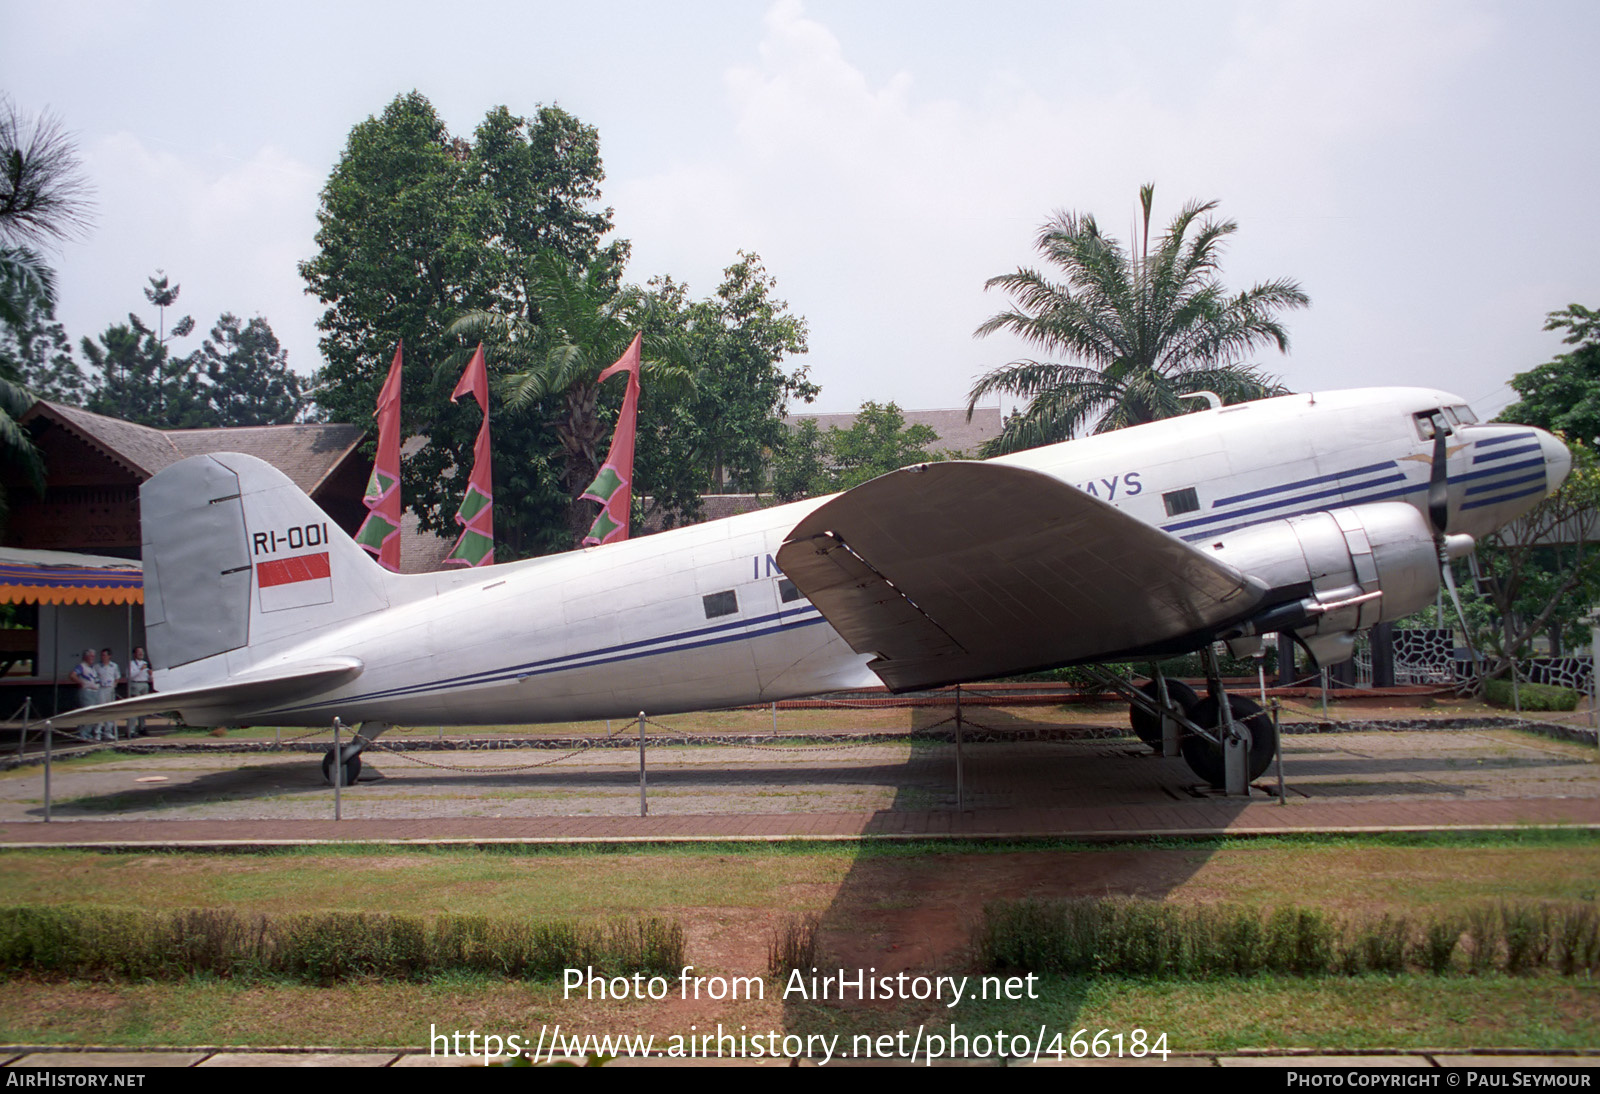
{"x":305,"y":452}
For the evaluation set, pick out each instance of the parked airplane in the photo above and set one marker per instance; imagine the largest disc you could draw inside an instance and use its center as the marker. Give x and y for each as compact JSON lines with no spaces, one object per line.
{"x":1317,"y":515}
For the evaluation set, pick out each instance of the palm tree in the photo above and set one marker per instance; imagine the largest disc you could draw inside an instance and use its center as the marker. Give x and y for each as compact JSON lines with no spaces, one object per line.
{"x":43,"y":196}
{"x":1149,"y":327}
{"x":584,"y":323}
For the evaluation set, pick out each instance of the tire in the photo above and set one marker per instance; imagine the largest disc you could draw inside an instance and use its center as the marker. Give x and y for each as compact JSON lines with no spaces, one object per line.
{"x":1147,"y":726}
{"x":1205,"y":758}
{"x":352,"y":768}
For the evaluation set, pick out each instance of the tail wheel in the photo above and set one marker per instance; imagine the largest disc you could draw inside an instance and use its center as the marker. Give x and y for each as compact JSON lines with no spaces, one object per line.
{"x":1205,"y":758}
{"x":1148,"y":726}
{"x":352,"y":768}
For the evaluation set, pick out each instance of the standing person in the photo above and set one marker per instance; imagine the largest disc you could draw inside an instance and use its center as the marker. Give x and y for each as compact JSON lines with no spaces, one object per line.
{"x":108,"y":672}
{"x":138,"y":684}
{"x":87,"y":676}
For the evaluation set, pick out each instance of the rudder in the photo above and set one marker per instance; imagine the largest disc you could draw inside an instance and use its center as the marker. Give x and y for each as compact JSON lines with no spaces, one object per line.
{"x":237,"y":556}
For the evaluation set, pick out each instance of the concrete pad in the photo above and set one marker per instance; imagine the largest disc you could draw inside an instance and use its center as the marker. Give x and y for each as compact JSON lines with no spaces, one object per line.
{"x":1517,"y":1061}
{"x":133,"y":1061}
{"x":300,"y":1059}
{"x":422,"y":1059}
{"x":1323,"y":1061}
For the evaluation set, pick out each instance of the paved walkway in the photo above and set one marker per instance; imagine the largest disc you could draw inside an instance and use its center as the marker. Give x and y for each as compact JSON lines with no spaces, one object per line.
{"x":1177,"y":819}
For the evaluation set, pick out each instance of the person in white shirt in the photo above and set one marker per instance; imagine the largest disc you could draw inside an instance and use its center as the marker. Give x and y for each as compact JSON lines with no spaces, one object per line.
{"x":108,"y":672}
{"x":87,"y":676}
{"x":138,"y":684}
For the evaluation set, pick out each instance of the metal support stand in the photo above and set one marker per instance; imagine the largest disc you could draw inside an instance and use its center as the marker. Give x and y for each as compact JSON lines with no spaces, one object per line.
{"x":1516,"y":693}
{"x":644,"y":806}
{"x":338,"y":771}
{"x":25,"y":712}
{"x":1169,"y":725}
{"x":961,"y":789}
{"x":774,"y":718}
{"x":1235,"y":737}
{"x":1324,"y":694}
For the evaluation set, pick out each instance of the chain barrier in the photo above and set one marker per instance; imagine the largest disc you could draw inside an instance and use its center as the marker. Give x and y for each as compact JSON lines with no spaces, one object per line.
{"x":406,"y":754}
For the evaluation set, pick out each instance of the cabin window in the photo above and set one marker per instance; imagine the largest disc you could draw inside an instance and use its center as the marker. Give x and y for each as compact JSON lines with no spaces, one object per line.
{"x":720,"y":604}
{"x":1181,"y":501}
{"x":788,"y":592}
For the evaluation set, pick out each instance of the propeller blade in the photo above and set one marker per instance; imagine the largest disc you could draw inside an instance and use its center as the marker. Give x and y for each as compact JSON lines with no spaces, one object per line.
{"x":1439,"y":482}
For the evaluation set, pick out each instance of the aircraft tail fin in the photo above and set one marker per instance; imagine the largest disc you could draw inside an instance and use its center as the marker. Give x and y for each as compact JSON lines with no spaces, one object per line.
{"x":236,"y":557}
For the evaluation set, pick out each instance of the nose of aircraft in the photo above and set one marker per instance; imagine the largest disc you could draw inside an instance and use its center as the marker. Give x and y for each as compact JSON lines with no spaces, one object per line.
{"x":1557,"y":460}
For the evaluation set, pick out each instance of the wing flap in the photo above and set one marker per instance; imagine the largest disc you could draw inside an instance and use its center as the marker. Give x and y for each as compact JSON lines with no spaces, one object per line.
{"x":225,"y":703}
{"x":962,"y":571}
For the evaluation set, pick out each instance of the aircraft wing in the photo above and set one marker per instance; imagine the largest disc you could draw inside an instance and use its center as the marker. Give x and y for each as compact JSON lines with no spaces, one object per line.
{"x":962,"y":571}
{"x":221,"y":704}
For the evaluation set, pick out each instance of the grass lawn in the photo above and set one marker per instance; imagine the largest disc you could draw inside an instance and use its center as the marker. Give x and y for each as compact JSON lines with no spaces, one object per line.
{"x":889,"y":907}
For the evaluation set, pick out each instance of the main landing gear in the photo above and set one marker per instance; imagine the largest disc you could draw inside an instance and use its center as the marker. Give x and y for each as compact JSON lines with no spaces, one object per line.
{"x":351,"y":751}
{"x":1227,"y":746}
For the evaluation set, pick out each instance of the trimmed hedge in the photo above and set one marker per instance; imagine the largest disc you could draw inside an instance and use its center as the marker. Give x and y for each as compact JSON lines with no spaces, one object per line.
{"x":320,"y":947}
{"x":1497,"y":693}
{"x":1147,"y":938}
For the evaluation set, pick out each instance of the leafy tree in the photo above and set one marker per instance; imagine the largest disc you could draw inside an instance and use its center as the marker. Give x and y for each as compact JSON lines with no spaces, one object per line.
{"x":811,"y":462}
{"x":1150,"y":325}
{"x":1540,"y":574}
{"x":1563,"y":395}
{"x":36,"y":352}
{"x":419,"y":228}
{"x":551,"y":371}
{"x":247,"y":379}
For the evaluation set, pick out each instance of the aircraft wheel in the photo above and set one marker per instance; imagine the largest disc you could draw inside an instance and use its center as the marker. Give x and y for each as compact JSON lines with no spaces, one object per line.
{"x":1205,"y":759}
{"x":1148,"y":726}
{"x":352,"y":768}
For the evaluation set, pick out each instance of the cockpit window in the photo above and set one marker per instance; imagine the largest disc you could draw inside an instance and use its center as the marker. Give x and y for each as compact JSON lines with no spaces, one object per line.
{"x":1464,"y":414}
{"x":1425,"y":420}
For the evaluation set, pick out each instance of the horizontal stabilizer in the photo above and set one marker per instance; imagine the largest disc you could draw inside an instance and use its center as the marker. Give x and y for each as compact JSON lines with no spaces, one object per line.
{"x":222,"y":704}
{"x":964,"y":571}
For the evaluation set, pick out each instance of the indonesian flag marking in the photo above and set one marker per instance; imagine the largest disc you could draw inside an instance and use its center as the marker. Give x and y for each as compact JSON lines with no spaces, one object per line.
{"x":296,"y":582}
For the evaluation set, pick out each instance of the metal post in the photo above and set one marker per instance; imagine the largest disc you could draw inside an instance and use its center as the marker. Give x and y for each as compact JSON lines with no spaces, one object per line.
{"x":1261,"y":676}
{"x":1324,"y":693}
{"x":338,"y":772}
{"x":1516,"y":693}
{"x":1277,"y":749}
{"x":961,"y":789}
{"x":644,"y":807}
{"x":774,"y":717}
{"x":49,"y":738}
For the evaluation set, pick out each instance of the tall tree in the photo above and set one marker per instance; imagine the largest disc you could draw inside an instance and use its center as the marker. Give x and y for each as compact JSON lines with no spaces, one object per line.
{"x":418,"y":228}
{"x":246,"y":377}
{"x":1563,"y":395}
{"x":36,"y":352}
{"x":44,"y":198}
{"x":1150,"y":325}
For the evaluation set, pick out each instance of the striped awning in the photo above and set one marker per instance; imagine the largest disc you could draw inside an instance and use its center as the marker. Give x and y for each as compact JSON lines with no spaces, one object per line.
{"x":24,"y":583}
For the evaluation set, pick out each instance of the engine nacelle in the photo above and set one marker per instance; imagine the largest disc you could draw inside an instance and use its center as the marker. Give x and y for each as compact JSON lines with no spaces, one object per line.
{"x":1336,"y":572}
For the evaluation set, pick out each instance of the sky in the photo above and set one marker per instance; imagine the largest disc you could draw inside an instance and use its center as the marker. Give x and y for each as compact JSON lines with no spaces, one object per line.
{"x":1426,"y":171}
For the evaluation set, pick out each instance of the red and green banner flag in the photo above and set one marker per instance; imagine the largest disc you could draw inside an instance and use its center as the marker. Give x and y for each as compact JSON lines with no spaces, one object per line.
{"x":613,"y":486}
{"x":380,"y":532}
{"x":476,"y":515}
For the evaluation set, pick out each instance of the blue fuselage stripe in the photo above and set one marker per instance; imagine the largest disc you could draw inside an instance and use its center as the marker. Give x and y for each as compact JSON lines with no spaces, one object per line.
{"x":741,"y":630}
